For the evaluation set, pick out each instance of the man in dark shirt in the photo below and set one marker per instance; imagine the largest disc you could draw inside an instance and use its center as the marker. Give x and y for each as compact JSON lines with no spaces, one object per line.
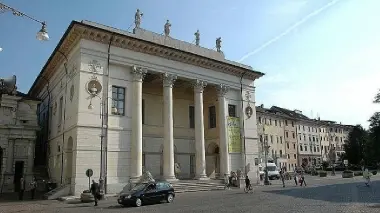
{"x":247,"y":182}
{"x":95,"y":191}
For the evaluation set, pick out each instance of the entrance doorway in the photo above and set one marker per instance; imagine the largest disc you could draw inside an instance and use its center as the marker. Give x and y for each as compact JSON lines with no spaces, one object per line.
{"x":19,"y":173}
{"x":212,"y":161}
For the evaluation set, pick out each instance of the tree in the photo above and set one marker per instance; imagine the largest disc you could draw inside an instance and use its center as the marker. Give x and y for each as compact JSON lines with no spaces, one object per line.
{"x":373,"y":146}
{"x":355,"y":146}
{"x":377,"y":98}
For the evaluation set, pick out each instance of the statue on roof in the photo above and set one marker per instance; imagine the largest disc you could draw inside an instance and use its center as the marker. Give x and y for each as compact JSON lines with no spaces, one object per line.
{"x":197,"y":37}
{"x":167,"y":28}
{"x":218,"y":44}
{"x":138,"y":16}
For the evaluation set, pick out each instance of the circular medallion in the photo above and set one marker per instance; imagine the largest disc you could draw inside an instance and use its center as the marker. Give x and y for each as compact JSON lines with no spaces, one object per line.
{"x":248,"y":111}
{"x":94,"y":87}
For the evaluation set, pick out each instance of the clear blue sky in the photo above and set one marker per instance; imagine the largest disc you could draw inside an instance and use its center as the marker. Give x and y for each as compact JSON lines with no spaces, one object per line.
{"x":325,"y":61}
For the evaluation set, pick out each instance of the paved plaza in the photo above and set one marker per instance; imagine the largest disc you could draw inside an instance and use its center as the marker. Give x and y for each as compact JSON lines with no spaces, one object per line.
{"x":331,"y":194}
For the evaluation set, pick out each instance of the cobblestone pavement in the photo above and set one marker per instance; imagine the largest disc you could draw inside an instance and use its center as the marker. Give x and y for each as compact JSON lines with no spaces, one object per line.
{"x":321,"y":195}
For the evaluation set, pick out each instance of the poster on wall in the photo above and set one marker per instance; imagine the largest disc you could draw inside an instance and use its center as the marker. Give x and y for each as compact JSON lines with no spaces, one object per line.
{"x":234,"y":139}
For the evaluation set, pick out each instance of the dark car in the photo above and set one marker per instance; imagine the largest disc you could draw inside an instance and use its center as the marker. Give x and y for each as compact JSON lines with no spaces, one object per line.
{"x":144,"y":193}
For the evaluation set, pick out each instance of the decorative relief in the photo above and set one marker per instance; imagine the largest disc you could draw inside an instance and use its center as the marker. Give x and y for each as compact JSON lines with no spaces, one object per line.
{"x":72,"y":93}
{"x":93,"y":86}
{"x":168,"y":79}
{"x":248,"y":109}
{"x":138,"y":16}
{"x":222,"y":90}
{"x":55,"y":108}
{"x":138,"y":73}
{"x":95,"y":66}
{"x":72,"y":71}
{"x":199,"y":85}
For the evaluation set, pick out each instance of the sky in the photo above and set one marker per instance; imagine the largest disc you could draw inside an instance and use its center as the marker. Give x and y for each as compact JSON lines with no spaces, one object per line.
{"x":318,"y":56}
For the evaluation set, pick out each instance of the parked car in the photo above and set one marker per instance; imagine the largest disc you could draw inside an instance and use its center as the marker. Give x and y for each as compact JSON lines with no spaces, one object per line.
{"x":144,"y":193}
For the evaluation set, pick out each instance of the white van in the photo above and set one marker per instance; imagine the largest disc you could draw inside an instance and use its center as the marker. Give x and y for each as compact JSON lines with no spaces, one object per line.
{"x":273,"y":172}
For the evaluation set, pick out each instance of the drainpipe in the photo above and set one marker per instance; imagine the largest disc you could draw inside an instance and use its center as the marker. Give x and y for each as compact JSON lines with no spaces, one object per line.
{"x":64,"y":114}
{"x":242,"y":130}
{"x":104,"y":132}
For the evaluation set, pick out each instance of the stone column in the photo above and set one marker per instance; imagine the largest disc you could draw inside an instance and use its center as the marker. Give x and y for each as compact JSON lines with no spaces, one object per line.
{"x":168,"y":152}
{"x":136,"y":138}
{"x":200,"y":170}
{"x":10,"y":151}
{"x":30,"y":157}
{"x":223,"y":136}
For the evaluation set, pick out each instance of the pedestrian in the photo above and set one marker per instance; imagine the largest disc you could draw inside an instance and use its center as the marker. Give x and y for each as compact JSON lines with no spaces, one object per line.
{"x":282,"y":177}
{"x":295,"y":177}
{"x":33,"y":186}
{"x":367,"y":177}
{"x":22,"y":189}
{"x":226,"y":182}
{"x":95,"y":191}
{"x":302,"y":179}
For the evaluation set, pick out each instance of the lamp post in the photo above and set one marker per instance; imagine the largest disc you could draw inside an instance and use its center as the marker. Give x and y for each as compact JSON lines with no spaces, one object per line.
{"x":266,"y":150}
{"x":103,"y":105}
{"x":42,"y":34}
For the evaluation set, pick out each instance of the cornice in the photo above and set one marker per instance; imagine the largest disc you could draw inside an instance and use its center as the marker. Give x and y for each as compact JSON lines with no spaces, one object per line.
{"x":78,"y":31}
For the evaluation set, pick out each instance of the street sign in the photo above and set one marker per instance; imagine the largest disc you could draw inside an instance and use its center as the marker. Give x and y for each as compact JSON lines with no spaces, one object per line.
{"x":89,"y":173}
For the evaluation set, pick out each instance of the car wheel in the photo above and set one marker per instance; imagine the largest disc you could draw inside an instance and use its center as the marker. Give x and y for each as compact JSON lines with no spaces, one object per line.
{"x":138,"y":202}
{"x":169,"y":198}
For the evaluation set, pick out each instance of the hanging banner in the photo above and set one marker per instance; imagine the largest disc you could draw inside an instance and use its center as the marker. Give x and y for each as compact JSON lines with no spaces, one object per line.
{"x":234,"y":139}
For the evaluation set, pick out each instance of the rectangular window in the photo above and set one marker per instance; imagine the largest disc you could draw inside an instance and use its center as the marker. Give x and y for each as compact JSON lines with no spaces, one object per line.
{"x":281,"y":139}
{"x":294,"y":135}
{"x":212,"y":117}
{"x":60,"y":112}
{"x":118,"y":100}
{"x":294,"y":146}
{"x":300,"y":137}
{"x":271,"y":138}
{"x":295,"y":156}
{"x":277,"y":139}
{"x":280,"y":123}
{"x":192,"y":117}
{"x":287,"y":144}
{"x":270,"y":122}
{"x":259,"y":120}
{"x":305,"y":148}
{"x":287,"y":134}
{"x":231,"y":110}
{"x":292,"y":123}
{"x":286,"y":123}
{"x":301,"y":147}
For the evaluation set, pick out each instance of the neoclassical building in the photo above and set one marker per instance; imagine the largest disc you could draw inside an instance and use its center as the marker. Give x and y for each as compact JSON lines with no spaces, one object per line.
{"x":122,"y":103}
{"x":18,"y":133}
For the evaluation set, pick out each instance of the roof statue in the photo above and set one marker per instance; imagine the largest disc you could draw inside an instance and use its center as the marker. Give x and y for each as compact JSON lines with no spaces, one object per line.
{"x":197,"y":37}
{"x":138,"y":16}
{"x":167,"y":28}
{"x":218,"y":44}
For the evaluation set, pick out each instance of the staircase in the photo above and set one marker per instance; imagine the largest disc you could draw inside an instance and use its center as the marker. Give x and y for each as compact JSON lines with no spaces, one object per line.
{"x":197,"y":186}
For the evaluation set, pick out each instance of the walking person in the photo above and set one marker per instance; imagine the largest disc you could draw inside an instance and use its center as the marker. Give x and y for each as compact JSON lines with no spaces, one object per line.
{"x":95,"y":191}
{"x":367,"y":177}
{"x":22,"y":189}
{"x":302,"y":180}
{"x":282,"y":176}
{"x":295,"y":177}
{"x":33,"y":187}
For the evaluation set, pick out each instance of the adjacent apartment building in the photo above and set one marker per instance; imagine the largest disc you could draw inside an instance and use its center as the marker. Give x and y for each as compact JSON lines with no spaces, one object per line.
{"x":302,"y":141}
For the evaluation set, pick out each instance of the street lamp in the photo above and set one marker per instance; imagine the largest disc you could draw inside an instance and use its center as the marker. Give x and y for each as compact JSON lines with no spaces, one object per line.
{"x":42,"y":35}
{"x":103,"y":105}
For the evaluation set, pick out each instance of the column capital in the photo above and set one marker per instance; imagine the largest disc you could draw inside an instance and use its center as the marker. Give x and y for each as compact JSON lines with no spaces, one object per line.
{"x":168,"y":79}
{"x":199,"y":85}
{"x":138,"y":73}
{"x":222,"y":90}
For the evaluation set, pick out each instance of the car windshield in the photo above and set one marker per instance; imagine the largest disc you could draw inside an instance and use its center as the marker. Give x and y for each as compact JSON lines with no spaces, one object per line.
{"x":139,"y":187}
{"x":271,"y":168}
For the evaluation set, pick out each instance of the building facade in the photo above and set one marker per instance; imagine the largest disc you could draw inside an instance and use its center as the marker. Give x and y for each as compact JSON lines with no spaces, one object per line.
{"x":18,"y":131}
{"x":123,"y":103}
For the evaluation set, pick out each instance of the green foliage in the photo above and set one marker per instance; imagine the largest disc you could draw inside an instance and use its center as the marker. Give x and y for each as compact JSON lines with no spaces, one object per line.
{"x":355,"y":146}
{"x":377,"y":98}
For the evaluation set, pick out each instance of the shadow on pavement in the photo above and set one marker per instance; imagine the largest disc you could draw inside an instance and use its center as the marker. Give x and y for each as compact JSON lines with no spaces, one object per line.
{"x":14,"y":197}
{"x":338,"y":193}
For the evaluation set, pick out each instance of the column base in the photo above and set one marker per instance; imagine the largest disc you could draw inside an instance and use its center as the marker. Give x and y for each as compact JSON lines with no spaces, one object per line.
{"x":201,"y":177}
{"x":170,"y":179}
